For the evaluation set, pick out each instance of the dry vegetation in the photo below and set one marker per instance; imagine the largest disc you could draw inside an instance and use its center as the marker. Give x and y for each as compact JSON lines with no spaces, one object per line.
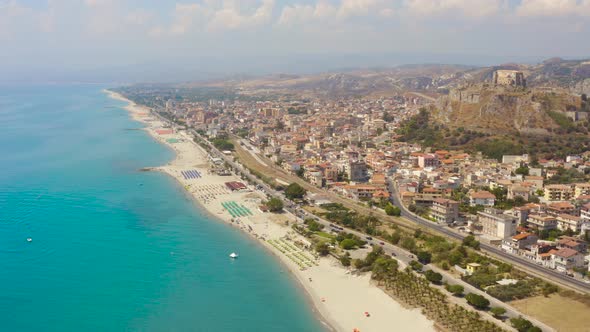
{"x":564,"y":313}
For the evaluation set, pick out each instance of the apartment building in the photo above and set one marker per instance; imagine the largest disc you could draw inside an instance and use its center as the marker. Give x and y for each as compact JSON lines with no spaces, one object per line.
{"x":558,"y":192}
{"x":444,"y":210}
{"x":542,"y":222}
{"x":497,"y":224}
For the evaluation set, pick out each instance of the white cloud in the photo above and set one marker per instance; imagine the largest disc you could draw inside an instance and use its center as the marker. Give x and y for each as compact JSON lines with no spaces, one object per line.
{"x":216,"y":15}
{"x":467,"y":8}
{"x":139,"y":17}
{"x":322,"y":10}
{"x":554,"y":8}
{"x":231,"y":17}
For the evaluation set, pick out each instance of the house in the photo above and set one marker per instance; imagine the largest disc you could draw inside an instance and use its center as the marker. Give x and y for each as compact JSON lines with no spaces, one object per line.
{"x":572,"y":243}
{"x":514,"y":191}
{"x":495,"y":223}
{"x":565,"y":259}
{"x":362,"y":191}
{"x":585,"y":213}
{"x":356,"y":171}
{"x":519,"y":242}
{"x":558,"y":208}
{"x":444,"y":210}
{"x":567,"y":221}
{"x":581,"y":189}
{"x":428,"y":160}
{"x":542,"y":222}
{"x":471,"y":268}
{"x":483,"y":197}
{"x":558,"y":192}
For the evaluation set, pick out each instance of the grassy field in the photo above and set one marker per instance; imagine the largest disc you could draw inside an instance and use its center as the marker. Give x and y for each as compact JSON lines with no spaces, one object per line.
{"x":560,"y":312}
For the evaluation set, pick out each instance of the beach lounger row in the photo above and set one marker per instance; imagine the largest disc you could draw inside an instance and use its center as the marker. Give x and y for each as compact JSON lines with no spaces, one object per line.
{"x":236,"y":210}
{"x":191,"y":174}
{"x":293,"y":253}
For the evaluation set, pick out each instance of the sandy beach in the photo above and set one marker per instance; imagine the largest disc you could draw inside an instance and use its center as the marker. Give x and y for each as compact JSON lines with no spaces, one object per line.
{"x":340,"y":297}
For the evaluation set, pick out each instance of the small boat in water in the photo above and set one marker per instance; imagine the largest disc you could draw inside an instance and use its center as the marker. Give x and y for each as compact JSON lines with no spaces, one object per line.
{"x":29,"y":240}
{"x":233,"y":255}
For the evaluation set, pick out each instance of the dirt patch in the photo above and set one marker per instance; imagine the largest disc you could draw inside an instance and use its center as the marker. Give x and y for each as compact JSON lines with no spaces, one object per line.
{"x":557,"y":311}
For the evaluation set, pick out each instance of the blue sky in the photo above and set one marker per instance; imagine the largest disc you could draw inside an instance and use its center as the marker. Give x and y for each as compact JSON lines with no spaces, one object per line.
{"x":69,"y":35}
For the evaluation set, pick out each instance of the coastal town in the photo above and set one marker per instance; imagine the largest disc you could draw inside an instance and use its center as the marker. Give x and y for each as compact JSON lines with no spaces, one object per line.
{"x":523,"y":221}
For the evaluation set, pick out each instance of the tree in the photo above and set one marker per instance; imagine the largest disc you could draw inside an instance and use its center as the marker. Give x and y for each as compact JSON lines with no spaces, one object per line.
{"x":477,"y":301}
{"x":498,"y":312}
{"x":322,"y":248}
{"x":395,"y":237}
{"x":345,"y":259}
{"x":424,"y":257}
{"x":416,"y":266}
{"x":392,"y":210}
{"x":522,"y":170}
{"x":456,"y":290}
{"x":274,"y":204}
{"x":300,"y":172}
{"x":521,"y":324}
{"x":313,"y":225}
{"x":408,"y":243}
{"x":294,"y":190}
{"x":433,"y":277}
{"x":470,"y":241}
{"x":348,"y":244}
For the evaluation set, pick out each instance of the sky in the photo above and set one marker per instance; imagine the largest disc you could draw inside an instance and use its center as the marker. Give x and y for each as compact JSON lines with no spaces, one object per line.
{"x":158,"y":39}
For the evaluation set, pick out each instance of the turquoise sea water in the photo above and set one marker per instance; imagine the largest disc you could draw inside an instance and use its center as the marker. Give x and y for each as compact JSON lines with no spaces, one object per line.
{"x":115,"y":249}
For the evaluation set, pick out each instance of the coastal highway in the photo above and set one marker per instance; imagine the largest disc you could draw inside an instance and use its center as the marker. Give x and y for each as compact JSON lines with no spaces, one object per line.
{"x":518,"y":261}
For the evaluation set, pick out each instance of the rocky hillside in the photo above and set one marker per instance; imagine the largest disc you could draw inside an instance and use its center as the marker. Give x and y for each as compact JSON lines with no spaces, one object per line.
{"x":495,"y":109}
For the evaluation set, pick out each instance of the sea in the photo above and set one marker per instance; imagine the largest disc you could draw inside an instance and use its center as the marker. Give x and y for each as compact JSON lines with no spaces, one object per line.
{"x":113,"y":248}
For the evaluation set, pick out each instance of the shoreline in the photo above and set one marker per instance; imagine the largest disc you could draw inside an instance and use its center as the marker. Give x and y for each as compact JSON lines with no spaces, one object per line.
{"x":338,"y":298}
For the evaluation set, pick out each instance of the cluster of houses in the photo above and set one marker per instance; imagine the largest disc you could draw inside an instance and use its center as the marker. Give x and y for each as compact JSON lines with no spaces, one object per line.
{"x":527,"y":229}
{"x":350,"y":147}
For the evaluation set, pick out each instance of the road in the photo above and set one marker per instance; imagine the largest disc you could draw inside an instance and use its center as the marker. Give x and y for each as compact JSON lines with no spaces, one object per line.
{"x":518,"y":261}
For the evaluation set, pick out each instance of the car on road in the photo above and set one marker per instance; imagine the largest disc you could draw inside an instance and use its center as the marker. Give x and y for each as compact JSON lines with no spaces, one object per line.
{"x":369,"y":238}
{"x":382,"y":243}
{"x":393,"y":254}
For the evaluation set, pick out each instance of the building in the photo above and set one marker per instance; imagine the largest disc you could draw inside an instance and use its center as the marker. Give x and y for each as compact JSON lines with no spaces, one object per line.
{"x":356,"y":171}
{"x":567,"y":221}
{"x":484,"y":198}
{"x":315,"y":177}
{"x":581,"y":189}
{"x":572,"y":243}
{"x":519,"y":242}
{"x":565,"y":259}
{"x":585,"y":213}
{"x":515,"y":191}
{"x":471,"y":268}
{"x":558,"y":192}
{"x":542,"y":222}
{"x":509,"y":77}
{"x":428,"y":160}
{"x":558,"y":208}
{"x":495,"y":223}
{"x":444,"y":210}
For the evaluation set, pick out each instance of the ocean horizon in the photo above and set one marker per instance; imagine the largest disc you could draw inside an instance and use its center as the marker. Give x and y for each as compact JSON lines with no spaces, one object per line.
{"x":114,"y":248}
